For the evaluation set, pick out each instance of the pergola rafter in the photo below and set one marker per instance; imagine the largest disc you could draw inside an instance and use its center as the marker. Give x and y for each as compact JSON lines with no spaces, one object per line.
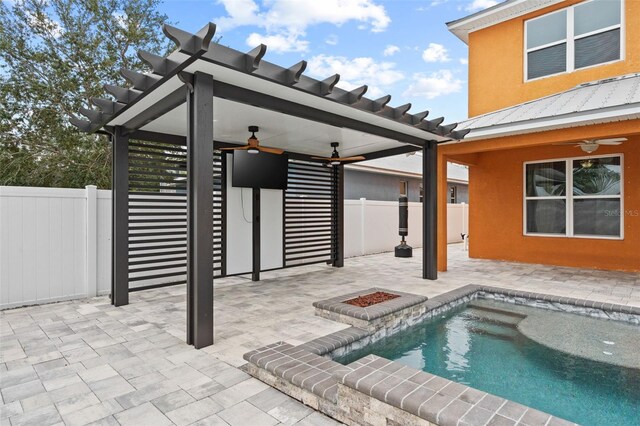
{"x":199,"y":46}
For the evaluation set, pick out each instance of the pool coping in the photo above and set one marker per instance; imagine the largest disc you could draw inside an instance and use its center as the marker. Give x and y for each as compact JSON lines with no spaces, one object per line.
{"x":373,"y":389}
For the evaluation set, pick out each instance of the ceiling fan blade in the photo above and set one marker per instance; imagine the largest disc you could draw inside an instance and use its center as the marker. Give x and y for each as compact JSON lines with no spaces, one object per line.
{"x":322,"y":158}
{"x":612,"y":141}
{"x":354,"y":158}
{"x":270,"y":150}
{"x":235,"y":148}
{"x":567,"y":144}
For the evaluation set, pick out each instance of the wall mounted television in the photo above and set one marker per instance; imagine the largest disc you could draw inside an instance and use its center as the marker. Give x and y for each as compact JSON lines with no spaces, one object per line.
{"x":263,"y":170}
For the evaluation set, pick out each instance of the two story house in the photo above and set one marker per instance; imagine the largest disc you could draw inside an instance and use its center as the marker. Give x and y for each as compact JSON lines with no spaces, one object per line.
{"x":554,"y":146}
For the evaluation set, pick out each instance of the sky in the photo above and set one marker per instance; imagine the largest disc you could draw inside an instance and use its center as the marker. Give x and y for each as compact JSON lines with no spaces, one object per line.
{"x":396,"y":47}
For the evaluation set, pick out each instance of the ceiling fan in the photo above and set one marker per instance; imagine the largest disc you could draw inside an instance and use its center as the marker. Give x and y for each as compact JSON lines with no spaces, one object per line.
{"x":335,"y":158}
{"x":590,"y":145}
{"x":253,"y":145}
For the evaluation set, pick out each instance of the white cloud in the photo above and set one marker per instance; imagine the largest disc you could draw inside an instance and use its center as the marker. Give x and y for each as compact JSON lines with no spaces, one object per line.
{"x":432,"y":85}
{"x":356,"y":72}
{"x":480,"y":4}
{"x":435,"y":53}
{"x":464,"y":61}
{"x":44,"y":24}
{"x":390,"y":50}
{"x":279,"y":43}
{"x":332,"y":39}
{"x":121,"y":19}
{"x":287,"y":20}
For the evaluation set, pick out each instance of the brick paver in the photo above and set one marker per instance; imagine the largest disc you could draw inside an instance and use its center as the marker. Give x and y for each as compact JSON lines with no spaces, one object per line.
{"x":85,"y":361}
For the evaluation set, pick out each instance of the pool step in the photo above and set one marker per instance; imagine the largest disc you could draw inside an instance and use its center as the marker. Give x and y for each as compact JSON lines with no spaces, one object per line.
{"x":500,"y":331}
{"x":493,"y":316}
{"x":489,"y":305}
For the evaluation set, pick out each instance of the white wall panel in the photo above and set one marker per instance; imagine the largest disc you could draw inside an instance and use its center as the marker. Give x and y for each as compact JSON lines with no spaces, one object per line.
{"x":239,"y":226}
{"x":271,"y":228}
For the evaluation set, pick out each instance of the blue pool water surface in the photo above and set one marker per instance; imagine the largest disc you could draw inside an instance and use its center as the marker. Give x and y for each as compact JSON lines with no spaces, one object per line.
{"x":488,"y":352}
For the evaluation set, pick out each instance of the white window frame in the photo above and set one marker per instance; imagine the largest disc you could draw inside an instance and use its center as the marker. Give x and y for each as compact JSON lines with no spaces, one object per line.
{"x":570,"y":40}
{"x":569,"y":197}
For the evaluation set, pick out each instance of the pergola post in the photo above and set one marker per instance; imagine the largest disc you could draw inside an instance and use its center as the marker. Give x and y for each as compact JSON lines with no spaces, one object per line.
{"x":430,"y":211}
{"x":338,"y":218}
{"x":255,"y":220}
{"x":200,"y":211}
{"x":120,"y":218}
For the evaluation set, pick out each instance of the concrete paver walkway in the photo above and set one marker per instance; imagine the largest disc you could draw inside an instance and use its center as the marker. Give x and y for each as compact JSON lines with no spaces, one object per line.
{"x":86,"y":362}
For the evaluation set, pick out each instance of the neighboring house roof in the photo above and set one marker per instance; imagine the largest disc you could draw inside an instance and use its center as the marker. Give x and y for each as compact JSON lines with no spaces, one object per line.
{"x":410,"y":166}
{"x":603,"y":101}
{"x":501,"y":12}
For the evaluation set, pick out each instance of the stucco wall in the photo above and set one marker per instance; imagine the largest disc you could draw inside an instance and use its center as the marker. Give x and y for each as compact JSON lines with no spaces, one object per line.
{"x":496,"y":54}
{"x":496,"y":213}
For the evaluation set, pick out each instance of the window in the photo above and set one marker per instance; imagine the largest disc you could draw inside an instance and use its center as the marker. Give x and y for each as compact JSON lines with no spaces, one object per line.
{"x":453,"y":195}
{"x":404,"y":188}
{"x":577,"y":197}
{"x":580,"y":36}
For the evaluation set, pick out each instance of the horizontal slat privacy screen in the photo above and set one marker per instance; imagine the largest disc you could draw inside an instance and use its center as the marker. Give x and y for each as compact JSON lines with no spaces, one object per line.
{"x":309,"y":207}
{"x":219,"y":214}
{"x":158,"y":214}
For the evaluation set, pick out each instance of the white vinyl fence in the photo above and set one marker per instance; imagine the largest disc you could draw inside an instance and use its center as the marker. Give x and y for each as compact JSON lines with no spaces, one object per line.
{"x":372,"y":226}
{"x":55,"y":244}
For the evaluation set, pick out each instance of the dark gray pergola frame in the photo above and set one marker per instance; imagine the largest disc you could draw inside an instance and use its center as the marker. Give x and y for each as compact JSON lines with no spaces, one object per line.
{"x":198,"y":92}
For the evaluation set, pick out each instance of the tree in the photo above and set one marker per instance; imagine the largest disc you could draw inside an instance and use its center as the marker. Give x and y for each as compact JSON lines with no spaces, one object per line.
{"x":54,"y":56}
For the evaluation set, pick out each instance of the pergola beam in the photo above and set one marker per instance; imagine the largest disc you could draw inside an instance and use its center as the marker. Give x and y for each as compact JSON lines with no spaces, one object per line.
{"x":157,"y":110}
{"x":406,"y":149}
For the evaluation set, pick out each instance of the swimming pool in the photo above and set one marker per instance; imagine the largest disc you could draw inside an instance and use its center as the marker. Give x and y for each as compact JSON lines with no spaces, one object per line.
{"x":556,"y":362}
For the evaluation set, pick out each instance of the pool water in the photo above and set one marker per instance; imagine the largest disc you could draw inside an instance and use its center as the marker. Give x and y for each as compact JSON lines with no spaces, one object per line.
{"x":482,"y":348}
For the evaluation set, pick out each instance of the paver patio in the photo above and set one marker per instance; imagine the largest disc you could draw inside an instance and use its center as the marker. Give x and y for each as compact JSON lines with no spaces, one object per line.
{"x":86,"y":361}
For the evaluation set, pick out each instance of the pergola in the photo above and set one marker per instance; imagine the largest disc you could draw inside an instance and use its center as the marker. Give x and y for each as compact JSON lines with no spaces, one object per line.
{"x":171,"y":215}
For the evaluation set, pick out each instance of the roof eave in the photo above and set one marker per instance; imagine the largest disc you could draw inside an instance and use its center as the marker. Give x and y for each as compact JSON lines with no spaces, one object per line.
{"x":493,"y":15}
{"x":575,"y":119}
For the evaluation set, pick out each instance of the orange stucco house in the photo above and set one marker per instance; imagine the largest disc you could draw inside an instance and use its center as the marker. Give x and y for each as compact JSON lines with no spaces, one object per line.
{"x":554,"y":147}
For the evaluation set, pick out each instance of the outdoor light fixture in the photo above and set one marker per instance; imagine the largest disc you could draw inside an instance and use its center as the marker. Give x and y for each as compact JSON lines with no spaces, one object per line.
{"x":335,"y":159}
{"x":253,"y":145}
{"x":253,"y":141}
{"x":587,"y":164}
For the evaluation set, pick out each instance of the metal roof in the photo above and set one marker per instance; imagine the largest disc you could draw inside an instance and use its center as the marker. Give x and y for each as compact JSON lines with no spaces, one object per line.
{"x":613,"y":99}
{"x":496,"y":14}
{"x":165,"y":84}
